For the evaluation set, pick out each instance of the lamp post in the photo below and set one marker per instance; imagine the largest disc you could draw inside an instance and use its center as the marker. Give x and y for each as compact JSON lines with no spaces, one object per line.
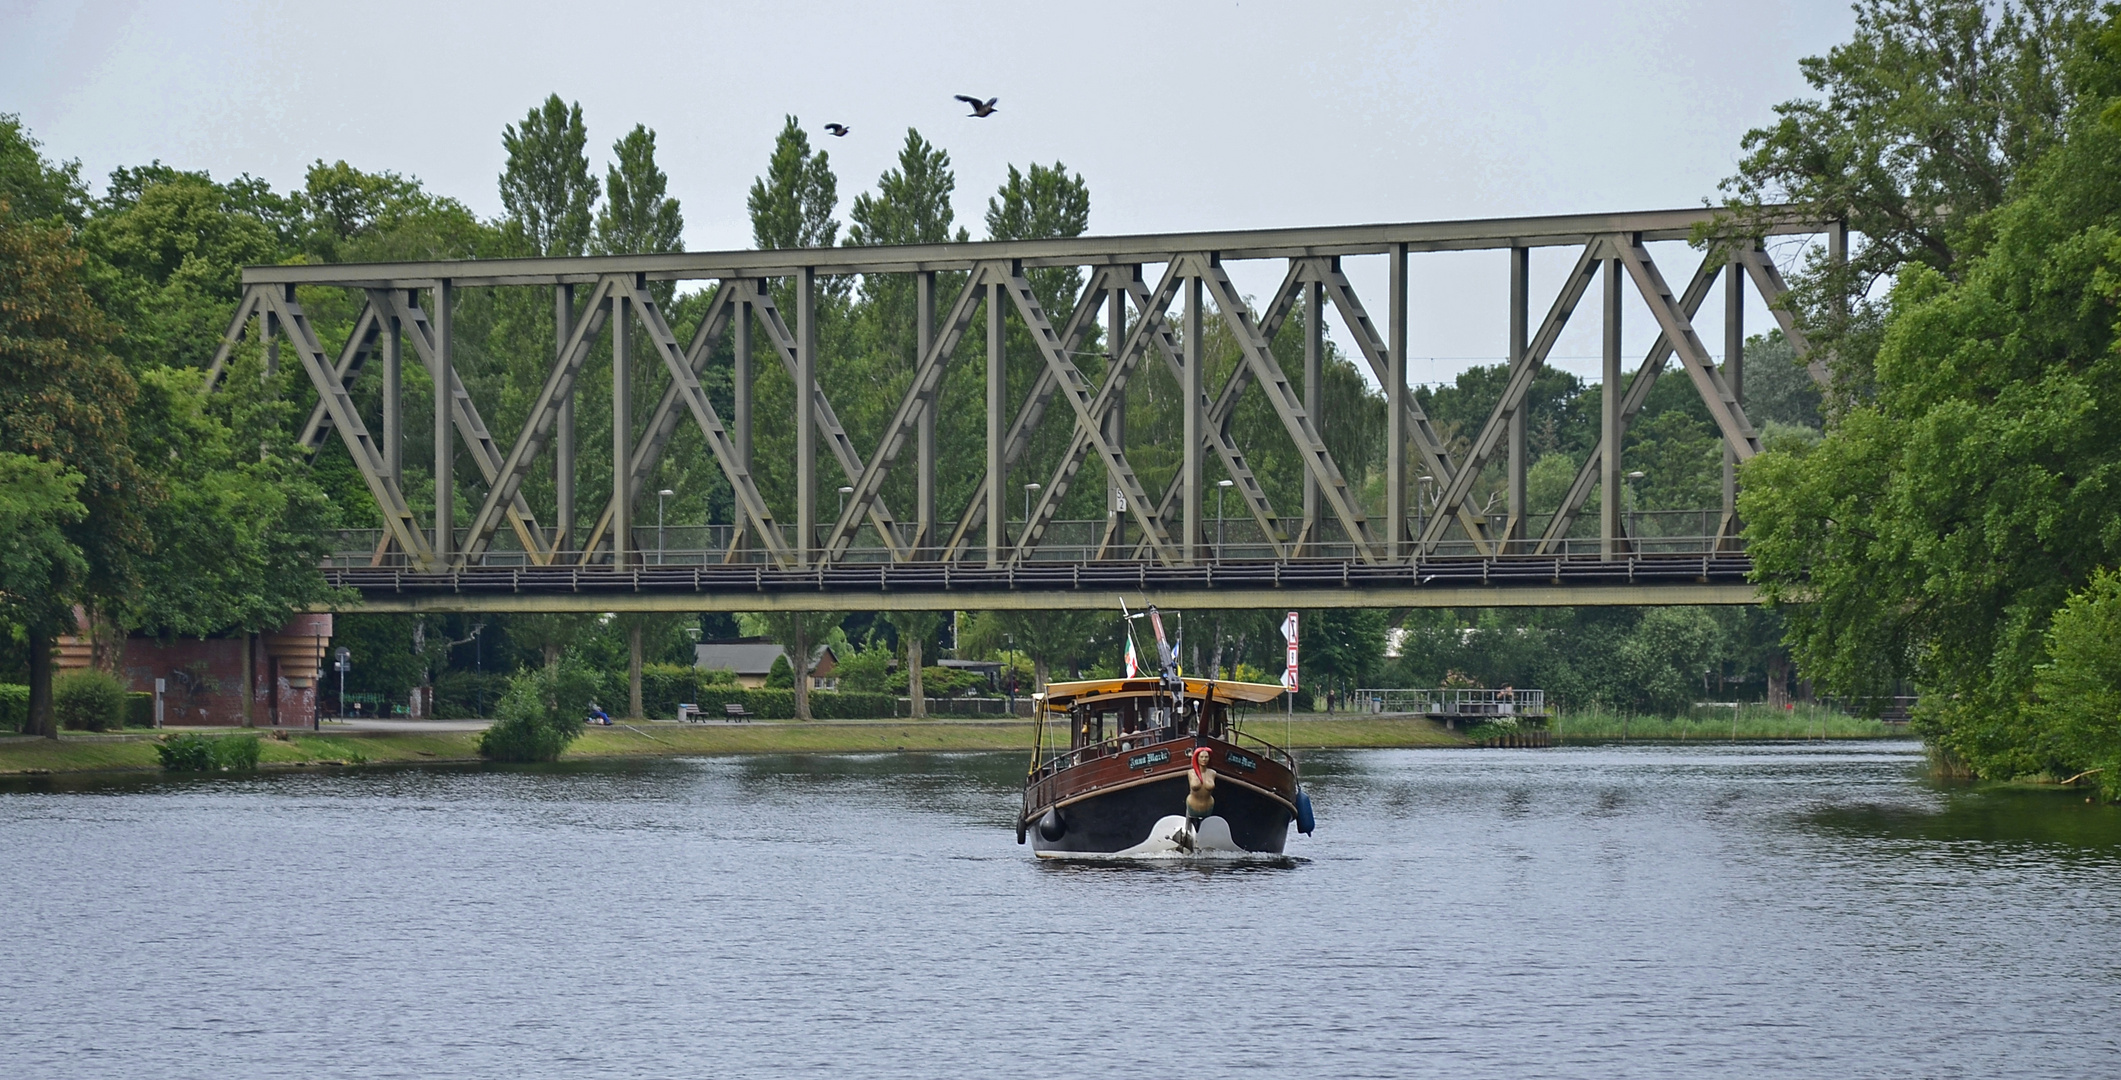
{"x":1220,"y":487}
{"x":1030,"y":489}
{"x":1634,"y":527}
{"x":1421,"y":500}
{"x":844,"y":492}
{"x":659,"y":497}
{"x":341,"y":660}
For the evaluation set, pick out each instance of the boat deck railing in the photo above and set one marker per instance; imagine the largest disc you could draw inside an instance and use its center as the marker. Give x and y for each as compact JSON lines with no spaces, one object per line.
{"x":1062,"y":760}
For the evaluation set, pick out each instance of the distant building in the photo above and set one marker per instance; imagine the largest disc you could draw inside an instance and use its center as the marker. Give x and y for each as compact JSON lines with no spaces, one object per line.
{"x":202,"y":678}
{"x":751,"y":660}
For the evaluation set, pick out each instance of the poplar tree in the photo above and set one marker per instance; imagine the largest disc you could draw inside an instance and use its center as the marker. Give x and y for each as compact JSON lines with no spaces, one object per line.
{"x":547,"y":187}
{"x":791,"y":206}
{"x":639,"y":216}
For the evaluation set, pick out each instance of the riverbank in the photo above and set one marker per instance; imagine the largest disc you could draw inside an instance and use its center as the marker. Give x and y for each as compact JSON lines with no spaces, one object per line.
{"x":134,"y":750}
{"x":1746,"y":723}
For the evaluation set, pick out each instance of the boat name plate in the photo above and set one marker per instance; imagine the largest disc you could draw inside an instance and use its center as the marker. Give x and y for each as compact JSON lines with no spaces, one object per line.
{"x":1241,"y":761}
{"x":1153,"y":757}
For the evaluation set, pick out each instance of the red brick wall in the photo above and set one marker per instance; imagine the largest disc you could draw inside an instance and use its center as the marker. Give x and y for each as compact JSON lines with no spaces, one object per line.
{"x":205,"y":682}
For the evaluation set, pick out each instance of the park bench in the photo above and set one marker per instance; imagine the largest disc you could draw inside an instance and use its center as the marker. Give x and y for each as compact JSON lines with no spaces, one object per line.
{"x":736,"y":711}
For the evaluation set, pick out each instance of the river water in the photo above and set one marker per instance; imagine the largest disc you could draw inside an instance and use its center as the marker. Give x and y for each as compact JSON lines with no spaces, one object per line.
{"x":1621,"y":911}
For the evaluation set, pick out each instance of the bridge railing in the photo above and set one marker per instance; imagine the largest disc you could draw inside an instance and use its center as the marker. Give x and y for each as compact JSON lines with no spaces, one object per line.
{"x":1074,"y":542}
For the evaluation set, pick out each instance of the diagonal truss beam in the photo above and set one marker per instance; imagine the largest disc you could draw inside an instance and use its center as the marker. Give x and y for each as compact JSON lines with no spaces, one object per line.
{"x":1678,"y":327}
{"x":1767,"y":280}
{"x":828,"y":423}
{"x":669,"y":411}
{"x":1527,"y":368}
{"x":352,"y":359}
{"x":695,"y":398}
{"x":1638,"y":394}
{"x":1151,"y":325}
{"x":478,"y":441}
{"x":1075,"y":388}
{"x":1333,"y":487}
{"x":232,"y":336}
{"x":1103,"y":279}
{"x":1434,"y":455}
{"x":346,"y":419}
{"x":537,"y":425}
{"x":927,"y":380}
{"x":1219,"y":414}
{"x":1301,"y":272}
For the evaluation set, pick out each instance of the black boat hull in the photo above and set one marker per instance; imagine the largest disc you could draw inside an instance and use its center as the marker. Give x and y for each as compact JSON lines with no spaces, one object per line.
{"x":1136,"y":818}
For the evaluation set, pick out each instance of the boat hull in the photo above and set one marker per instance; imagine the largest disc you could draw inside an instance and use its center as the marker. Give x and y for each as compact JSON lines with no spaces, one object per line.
{"x":1147,"y":817}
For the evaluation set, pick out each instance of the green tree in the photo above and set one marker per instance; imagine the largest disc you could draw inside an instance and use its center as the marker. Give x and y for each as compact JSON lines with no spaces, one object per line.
{"x":1935,"y":530}
{"x":63,"y":402}
{"x":639,"y":216}
{"x":546,"y":186}
{"x":2077,"y":693}
{"x":915,"y":630}
{"x":791,"y":206}
{"x":799,"y":634}
{"x":1928,"y":114}
{"x":40,"y":190}
{"x":1044,"y":202}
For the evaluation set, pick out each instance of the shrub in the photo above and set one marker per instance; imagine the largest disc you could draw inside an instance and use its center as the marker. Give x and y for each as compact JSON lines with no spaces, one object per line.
{"x":665,"y":686}
{"x":89,"y":700}
{"x":139,"y":709}
{"x":186,"y":753}
{"x":14,"y":707}
{"x":781,"y":676}
{"x":197,"y":753}
{"x":540,"y":713}
{"x":468,"y":695}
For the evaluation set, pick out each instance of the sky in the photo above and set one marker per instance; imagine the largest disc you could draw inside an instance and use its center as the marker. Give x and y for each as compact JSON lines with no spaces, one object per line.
{"x":1181,"y":116}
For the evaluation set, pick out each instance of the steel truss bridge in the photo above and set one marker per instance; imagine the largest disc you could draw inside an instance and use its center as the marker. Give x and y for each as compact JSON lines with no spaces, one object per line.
{"x":1429,"y":548}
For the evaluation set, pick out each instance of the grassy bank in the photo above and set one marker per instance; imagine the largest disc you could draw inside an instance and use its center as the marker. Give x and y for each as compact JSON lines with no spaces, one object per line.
{"x":83,"y":752}
{"x":135,"y":750}
{"x":1752,"y":722}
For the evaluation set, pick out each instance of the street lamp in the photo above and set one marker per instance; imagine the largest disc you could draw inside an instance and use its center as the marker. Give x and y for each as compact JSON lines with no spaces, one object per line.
{"x":1634,"y":526}
{"x":844,"y":492}
{"x":1421,"y":499}
{"x":1220,"y":487}
{"x":1030,"y":489}
{"x":343,"y":659}
{"x":659,"y":497}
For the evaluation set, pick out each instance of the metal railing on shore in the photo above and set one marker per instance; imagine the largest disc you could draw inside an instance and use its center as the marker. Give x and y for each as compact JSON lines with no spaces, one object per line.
{"x":1454,"y":702}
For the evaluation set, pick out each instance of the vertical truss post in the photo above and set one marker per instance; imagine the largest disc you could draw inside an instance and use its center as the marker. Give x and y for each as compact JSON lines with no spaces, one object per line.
{"x":1116,"y":416}
{"x":621,"y":436}
{"x":1193,"y":400}
{"x":1520,"y":343}
{"x":1611,"y":542}
{"x":563,"y":436}
{"x":805,"y":427}
{"x":997,"y":404}
{"x":1314,"y":394}
{"x":1734,"y":374}
{"x":445,"y":448}
{"x":740,"y":391}
{"x":394,"y":400}
{"x":1396,"y":408}
{"x":924,"y":428}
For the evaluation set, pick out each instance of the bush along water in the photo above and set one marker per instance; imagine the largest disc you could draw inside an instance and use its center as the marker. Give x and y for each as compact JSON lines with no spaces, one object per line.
{"x":89,"y":700}
{"x":197,"y":753}
{"x":540,"y":713}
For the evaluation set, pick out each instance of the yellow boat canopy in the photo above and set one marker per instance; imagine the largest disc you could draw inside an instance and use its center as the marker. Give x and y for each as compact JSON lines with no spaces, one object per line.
{"x":1062,"y":694}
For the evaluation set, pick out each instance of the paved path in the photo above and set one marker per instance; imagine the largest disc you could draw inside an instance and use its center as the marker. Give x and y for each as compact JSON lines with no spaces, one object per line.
{"x":403,"y":726}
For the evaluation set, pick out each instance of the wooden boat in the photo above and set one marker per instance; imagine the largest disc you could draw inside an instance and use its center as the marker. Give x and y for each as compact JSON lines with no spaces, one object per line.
{"x":1157,"y":766}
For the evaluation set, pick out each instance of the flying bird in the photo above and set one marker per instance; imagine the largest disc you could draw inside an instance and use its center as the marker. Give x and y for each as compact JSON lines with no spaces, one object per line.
{"x":837,"y":129}
{"x":979,"y":108}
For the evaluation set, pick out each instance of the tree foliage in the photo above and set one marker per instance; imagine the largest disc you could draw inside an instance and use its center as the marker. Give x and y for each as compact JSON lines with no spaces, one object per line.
{"x":1937,"y":528}
{"x":546,"y":187}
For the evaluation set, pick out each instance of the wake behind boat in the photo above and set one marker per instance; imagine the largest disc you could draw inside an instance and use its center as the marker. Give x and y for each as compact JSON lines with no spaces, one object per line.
{"x":1157,"y":766}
